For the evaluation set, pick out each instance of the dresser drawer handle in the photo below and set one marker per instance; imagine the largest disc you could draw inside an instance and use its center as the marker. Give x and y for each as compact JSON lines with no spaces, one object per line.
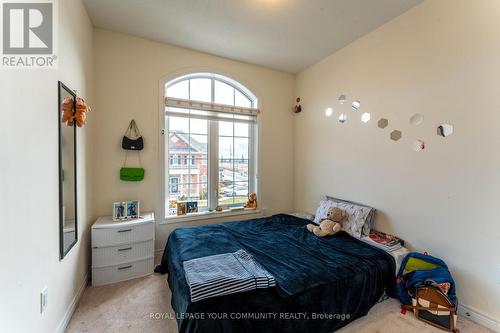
{"x":125,"y":230}
{"x":125,"y":249}
{"x":124,"y":267}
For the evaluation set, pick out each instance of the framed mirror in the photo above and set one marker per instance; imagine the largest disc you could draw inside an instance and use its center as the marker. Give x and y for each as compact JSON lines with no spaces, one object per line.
{"x":68,"y":232}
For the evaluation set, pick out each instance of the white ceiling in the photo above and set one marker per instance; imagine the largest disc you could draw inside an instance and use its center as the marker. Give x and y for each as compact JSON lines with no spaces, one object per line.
{"x":287,"y":35}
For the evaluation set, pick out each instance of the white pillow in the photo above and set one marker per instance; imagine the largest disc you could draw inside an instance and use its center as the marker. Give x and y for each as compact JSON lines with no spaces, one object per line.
{"x":359,"y":217}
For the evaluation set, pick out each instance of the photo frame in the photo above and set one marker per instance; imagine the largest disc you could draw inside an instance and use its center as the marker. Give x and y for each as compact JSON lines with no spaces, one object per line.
{"x":124,"y":210}
{"x":133,"y":209}
{"x":181,"y":208}
{"x":192,"y":207}
{"x":119,"y":210}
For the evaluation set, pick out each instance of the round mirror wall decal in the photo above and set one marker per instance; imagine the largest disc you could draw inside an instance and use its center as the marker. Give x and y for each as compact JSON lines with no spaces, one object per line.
{"x":396,"y":135}
{"x":383,"y":123}
{"x":365,"y":117}
{"x":445,"y":130}
{"x":328,"y":112}
{"x":416,"y":119}
{"x":342,"y":118}
{"x":356,"y":105}
{"x":341,"y":99}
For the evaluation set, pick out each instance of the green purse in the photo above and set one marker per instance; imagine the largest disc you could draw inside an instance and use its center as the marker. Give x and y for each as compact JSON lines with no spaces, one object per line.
{"x":131,"y":174}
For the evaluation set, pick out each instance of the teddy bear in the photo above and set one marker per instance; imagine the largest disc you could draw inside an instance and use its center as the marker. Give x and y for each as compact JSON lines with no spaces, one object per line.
{"x":67,"y":111}
{"x":69,"y":117}
{"x":252,"y":201}
{"x":81,"y":108}
{"x":330,"y":225}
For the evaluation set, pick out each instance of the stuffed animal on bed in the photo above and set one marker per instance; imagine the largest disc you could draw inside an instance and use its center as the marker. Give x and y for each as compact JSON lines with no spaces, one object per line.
{"x":329,"y":226}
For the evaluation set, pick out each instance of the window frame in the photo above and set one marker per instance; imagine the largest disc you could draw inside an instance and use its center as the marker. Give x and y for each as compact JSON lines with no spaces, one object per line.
{"x":213,"y":157}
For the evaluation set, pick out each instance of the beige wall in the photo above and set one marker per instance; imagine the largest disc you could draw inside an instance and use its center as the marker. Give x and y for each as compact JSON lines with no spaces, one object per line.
{"x":29,"y":240}
{"x":128,"y":72}
{"x":441,"y":59}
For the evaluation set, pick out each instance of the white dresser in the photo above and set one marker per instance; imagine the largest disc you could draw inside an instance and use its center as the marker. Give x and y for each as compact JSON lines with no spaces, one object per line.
{"x":122,"y":250}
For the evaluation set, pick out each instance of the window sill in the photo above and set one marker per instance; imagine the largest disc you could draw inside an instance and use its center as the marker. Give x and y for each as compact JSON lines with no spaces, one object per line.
{"x":208,"y":215}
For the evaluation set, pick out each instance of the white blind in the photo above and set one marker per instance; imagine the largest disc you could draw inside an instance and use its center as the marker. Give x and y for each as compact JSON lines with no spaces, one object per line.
{"x":212,"y":111}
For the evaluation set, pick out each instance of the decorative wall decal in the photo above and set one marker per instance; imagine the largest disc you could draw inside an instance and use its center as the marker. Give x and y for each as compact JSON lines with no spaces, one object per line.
{"x":416,"y":119}
{"x":396,"y":135}
{"x":383,"y":123}
{"x":365,"y":117}
{"x":356,"y":105}
{"x":341,"y":99}
{"x":298,"y":107}
{"x":445,"y":130}
{"x":418,"y":145}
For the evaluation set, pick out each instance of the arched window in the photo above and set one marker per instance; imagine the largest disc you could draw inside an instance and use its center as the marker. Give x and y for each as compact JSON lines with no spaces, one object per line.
{"x":213,"y":88}
{"x":211,"y":120}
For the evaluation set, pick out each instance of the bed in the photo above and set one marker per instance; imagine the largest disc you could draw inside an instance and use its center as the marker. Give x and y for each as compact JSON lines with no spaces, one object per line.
{"x":322,"y":283}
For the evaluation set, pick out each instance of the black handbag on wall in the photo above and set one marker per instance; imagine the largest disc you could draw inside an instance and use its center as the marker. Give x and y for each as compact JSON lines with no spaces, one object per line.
{"x":132,"y":141}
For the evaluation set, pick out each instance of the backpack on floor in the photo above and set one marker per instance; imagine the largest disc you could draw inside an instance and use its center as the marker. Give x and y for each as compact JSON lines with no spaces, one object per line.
{"x":425,"y":285}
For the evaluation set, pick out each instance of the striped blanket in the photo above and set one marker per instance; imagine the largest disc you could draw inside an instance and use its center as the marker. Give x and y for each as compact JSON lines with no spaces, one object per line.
{"x":224,"y":274}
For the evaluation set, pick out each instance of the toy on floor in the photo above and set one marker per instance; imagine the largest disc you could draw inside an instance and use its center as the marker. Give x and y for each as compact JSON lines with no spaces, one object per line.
{"x":252,"y":201}
{"x":329,"y":226}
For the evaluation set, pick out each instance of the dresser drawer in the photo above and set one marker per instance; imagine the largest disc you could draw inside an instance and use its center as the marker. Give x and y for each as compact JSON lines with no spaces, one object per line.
{"x":122,"y":235}
{"x":117,"y":273}
{"x":115,"y":255}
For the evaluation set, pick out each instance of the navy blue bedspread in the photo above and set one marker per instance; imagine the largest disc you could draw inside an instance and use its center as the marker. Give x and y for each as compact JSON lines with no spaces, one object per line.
{"x":322,"y":283}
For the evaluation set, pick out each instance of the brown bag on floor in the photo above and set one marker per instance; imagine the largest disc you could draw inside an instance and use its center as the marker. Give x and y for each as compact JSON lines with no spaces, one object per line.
{"x":431,"y":305}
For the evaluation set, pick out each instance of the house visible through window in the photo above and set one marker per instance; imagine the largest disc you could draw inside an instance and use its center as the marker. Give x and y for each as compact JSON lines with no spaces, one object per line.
{"x":174,"y":184}
{"x":210,"y":126}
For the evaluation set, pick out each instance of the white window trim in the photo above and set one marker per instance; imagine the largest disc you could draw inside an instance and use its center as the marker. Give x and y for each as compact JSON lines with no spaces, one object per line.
{"x":210,"y":215}
{"x":254,"y":144}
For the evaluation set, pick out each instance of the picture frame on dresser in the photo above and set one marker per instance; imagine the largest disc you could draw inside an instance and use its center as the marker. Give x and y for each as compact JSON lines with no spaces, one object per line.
{"x":133,"y":207}
{"x":119,"y":210}
{"x":125,"y":210}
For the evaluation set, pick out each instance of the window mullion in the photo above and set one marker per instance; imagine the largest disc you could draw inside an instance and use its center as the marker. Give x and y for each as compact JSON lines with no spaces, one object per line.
{"x":233,"y":159}
{"x":185,"y":160}
{"x":252,"y":158}
{"x":213,"y":164}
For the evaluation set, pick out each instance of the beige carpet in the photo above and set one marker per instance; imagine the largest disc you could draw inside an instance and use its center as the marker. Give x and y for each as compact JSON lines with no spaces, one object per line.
{"x":128,"y":307}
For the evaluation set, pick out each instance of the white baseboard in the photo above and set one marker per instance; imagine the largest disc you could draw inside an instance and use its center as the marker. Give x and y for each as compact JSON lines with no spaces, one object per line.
{"x":61,"y":328}
{"x":479,"y":318}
